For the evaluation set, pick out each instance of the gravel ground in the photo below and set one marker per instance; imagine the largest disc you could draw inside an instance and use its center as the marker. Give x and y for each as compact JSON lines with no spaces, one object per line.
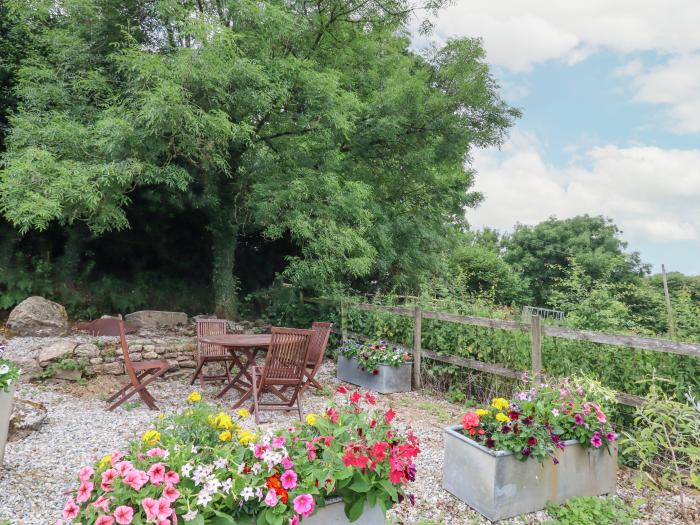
{"x":78,"y":431}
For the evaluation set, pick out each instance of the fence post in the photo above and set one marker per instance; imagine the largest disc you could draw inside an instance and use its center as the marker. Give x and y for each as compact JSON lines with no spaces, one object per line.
{"x":418,"y":320}
{"x":301,"y":296}
{"x":536,"y":352}
{"x":343,"y":320}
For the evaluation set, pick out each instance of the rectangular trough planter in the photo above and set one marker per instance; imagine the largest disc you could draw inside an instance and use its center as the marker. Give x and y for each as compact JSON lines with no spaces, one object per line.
{"x":334,"y":514}
{"x":499,"y":486}
{"x":5,"y":413}
{"x":389,"y":380}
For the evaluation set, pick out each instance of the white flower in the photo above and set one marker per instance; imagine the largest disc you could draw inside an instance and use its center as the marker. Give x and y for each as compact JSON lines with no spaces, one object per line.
{"x":203,"y":498}
{"x":256,"y":468}
{"x":247,"y":493}
{"x":555,"y":412}
{"x":259,"y":493}
{"x":212,"y":484}
{"x":241,"y":468}
{"x":220,"y":463}
{"x":4,"y":369}
{"x":186,"y":470}
{"x":226,"y":486}
{"x":201,"y":473}
{"x":194,"y":449}
{"x":190,"y":515}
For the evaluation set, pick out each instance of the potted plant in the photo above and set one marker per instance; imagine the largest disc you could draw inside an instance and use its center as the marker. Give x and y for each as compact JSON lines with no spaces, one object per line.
{"x":205,"y":467}
{"x":9,"y":374}
{"x":375,"y":365}
{"x":546,"y":445}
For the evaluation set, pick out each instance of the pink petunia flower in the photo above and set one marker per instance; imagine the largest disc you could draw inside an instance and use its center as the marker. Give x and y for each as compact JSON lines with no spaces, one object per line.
{"x":172,"y":478}
{"x":70,"y":510}
{"x":124,"y":515}
{"x":104,"y":520}
{"x":157,"y":473}
{"x":287,"y":463}
{"x":150,"y":507}
{"x":294,"y":520}
{"x":164,"y":510}
{"x":86,"y":473}
{"x":278,"y":441}
{"x":271,"y":498}
{"x":156,"y":453}
{"x":123,"y":467}
{"x":84,"y":492}
{"x":304,"y":504}
{"x":171,"y":493}
{"x":289,"y":479}
{"x":117,"y":455}
{"x":596,"y":440}
{"x":101,"y":503}
{"x":136,"y":479}
{"x":108,"y":477}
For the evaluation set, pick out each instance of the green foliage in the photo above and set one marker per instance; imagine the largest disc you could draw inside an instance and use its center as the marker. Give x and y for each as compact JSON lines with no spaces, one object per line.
{"x":665,"y":439}
{"x":590,"y":510}
{"x":65,"y":363}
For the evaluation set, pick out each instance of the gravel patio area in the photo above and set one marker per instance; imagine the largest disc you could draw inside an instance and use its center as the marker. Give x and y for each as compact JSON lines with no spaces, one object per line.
{"x":78,"y":431}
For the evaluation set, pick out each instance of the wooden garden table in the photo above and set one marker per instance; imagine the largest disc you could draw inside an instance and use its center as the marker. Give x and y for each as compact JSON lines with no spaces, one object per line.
{"x":244,"y":348}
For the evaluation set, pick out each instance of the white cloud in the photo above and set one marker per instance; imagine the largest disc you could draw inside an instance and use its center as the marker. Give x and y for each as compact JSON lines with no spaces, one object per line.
{"x":675,"y":85}
{"x":651,"y":193}
{"x":521,"y":33}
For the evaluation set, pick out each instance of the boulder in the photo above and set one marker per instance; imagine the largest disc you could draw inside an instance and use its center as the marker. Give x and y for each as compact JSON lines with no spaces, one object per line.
{"x":156,"y":319}
{"x":88,"y":350}
{"x":57,"y":350}
{"x":27,"y":416}
{"x":36,"y":316}
{"x":29,"y":366}
{"x":67,"y":375}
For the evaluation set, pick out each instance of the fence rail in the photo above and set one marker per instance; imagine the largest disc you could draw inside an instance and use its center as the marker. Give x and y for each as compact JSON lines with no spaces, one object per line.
{"x":535,"y":328}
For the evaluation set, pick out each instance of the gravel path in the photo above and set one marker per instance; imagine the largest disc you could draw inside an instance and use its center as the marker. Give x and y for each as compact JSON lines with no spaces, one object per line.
{"x":78,"y":431}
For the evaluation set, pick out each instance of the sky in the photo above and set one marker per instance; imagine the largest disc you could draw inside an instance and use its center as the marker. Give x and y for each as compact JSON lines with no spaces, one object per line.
{"x":610,"y":94}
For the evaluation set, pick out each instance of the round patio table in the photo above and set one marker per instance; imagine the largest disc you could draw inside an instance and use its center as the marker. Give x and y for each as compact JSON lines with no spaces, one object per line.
{"x":243,"y":348}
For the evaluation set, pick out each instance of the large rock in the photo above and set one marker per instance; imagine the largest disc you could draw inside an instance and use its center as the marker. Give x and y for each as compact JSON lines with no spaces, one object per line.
{"x":36,"y":316}
{"x":57,"y":350}
{"x":27,"y":416}
{"x":156,"y":319}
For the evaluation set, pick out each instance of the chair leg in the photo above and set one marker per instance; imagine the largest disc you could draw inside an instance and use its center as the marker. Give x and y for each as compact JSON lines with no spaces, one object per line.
{"x":198,"y":370}
{"x":127,"y":387}
{"x":256,"y":409}
{"x":301,"y":418}
{"x":137,"y":388}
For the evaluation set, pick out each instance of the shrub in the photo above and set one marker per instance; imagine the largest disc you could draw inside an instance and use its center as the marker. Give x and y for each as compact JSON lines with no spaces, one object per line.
{"x":589,"y":510}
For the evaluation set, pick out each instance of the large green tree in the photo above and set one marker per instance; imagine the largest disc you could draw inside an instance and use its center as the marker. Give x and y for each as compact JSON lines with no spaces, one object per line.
{"x":310,"y":121}
{"x":543,"y":254}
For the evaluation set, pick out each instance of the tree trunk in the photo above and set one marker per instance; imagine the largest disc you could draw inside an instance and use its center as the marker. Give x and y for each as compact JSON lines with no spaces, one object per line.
{"x":224,"y":235}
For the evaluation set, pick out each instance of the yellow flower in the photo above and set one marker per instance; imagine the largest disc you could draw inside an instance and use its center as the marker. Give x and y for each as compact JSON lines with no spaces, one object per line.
{"x":151,"y":437}
{"x":222,"y":421}
{"x":225,"y":436}
{"x":499,"y":403}
{"x":243,"y":412}
{"x":311,"y":419}
{"x":194,"y":397}
{"x":105,"y":461}
{"x":502,"y":417}
{"x":161,"y":416}
{"x":246,"y":437}
{"x":481,"y":412}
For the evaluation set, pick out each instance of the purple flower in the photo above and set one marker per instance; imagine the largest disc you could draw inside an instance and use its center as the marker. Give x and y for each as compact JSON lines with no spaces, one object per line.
{"x":578,"y":419}
{"x":505,"y":429}
{"x":610,"y":436}
{"x":490,"y":443}
{"x":412,"y":499}
{"x":596,"y":440}
{"x":526,"y":451}
{"x":527,"y":421}
{"x":411,"y":473}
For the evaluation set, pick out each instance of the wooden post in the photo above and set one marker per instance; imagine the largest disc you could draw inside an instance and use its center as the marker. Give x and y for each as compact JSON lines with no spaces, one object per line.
{"x":536,"y":352}
{"x":671,"y":325}
{"x":343,"y":320}
{"x":418,"y":321}
{"x":301,"y":296}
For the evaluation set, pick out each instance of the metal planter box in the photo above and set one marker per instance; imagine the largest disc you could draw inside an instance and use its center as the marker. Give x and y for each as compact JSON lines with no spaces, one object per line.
{"x":389,"y":380}
{"x":334,"y":514}
{"x":499,"y":486}
{"x":5,"y":413}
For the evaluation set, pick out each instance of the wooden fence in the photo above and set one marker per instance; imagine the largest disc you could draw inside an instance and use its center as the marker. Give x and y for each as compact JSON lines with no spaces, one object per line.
{"x":536,"y":329}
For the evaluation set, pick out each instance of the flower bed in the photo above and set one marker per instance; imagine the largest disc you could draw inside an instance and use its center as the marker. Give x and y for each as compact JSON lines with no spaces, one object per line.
{"x":559,"y":422}
{"x":375,"y":366}
{"x":203,"y":467}
{"x":9,"y":375}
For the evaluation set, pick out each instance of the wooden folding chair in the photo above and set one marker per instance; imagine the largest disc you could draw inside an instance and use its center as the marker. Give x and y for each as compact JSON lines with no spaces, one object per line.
{"x":283,"y":369}
{"x":140,"y":373}
{"x":208,"y":353}
{"x":317,"y":349}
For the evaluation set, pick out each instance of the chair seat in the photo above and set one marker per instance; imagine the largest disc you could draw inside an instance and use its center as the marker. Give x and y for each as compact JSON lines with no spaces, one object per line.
{"x":148,"y":365}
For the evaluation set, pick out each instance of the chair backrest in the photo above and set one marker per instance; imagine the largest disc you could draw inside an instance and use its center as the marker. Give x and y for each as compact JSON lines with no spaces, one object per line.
{"x":125,"y":350}
{"x":319,"y":342}
{"x":210,"y":327}
{"x":286,"y":356}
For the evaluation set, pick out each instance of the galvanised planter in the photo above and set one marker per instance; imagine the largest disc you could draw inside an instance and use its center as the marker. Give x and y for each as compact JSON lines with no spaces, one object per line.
{"x":5,"y":413}
{"x":499,"y":486}
{"x":334,"y":514}
{"x":389,"y":380}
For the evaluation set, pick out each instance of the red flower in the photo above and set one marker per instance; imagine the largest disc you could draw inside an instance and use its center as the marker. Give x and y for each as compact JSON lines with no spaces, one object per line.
{"x":470,"y":419}
{"x":532,"y":441}
{"x":370,"y":398}
{"x":372,"y":423}
{"x":342,"y":389}
{"x":332,"y":414}
{"x":355,"y":398}
{"x":375,"y":372}
{"x":513,"y":415}
{"x":389,"y":416}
